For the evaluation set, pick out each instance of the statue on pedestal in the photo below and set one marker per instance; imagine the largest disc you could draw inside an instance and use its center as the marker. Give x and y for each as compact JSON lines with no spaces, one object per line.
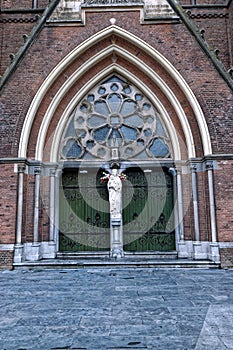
{"x":115,"y":202}
{"x":114,"y":189}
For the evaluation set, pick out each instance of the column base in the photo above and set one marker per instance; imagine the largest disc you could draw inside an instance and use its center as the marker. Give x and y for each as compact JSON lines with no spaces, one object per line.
{"x":48,"y":250}
{"x":18,"y":253}
{"x":116,"y":253}
{"x":214,"y":254}
{"x":32,"y":251}
{"x":200,"y":250}
{"x":183,"y":250}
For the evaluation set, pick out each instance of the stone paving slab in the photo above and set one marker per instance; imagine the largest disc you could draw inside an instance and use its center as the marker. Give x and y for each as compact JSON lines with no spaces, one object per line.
{"x":116,"y":309}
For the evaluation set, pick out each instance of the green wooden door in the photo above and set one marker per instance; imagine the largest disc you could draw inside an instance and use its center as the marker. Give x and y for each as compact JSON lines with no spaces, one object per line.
{"x":148,"y":211}
{"x":84,"y":212}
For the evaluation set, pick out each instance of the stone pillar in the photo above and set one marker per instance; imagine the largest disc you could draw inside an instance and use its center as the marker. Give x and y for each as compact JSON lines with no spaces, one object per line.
{"x":182,"y":247}
{"x":116,"y":238}
{"x":197,"y":246}
{"x":34,"y":250}
{"x":18,"y":249}
{"x":56,"y":208}
{"x":195,"y":202}
{"x":175,"y":199}
{"x":52,"y":204}
{"x":180,"y":204}
{"x":49,"y":248}
{"x":214,"y":247}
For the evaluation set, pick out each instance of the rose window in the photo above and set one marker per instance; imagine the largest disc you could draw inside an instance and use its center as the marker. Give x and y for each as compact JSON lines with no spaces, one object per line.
{"x":115,"y":115}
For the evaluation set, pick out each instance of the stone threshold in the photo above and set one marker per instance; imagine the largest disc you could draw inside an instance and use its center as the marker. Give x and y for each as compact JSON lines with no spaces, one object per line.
{"x":127,"y":255}
{"x":112,"y":263}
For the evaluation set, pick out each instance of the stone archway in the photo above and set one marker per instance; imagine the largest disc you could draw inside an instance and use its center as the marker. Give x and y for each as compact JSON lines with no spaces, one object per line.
{"x":116,"y":121}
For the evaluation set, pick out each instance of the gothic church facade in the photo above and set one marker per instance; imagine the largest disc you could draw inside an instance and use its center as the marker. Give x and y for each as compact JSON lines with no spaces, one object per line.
{"x":145,"y":86}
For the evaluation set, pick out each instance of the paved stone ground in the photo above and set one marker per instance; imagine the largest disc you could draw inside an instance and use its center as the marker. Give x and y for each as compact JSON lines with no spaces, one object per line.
{"x":131,"y":308}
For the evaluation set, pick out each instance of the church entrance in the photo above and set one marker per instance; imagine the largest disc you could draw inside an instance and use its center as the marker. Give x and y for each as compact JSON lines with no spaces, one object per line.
{"x":116,"y":122}
{"x":147,"y":215}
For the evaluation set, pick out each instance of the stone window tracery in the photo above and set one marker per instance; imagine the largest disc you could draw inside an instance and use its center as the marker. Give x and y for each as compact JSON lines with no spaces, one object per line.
{"x":115,"y":115}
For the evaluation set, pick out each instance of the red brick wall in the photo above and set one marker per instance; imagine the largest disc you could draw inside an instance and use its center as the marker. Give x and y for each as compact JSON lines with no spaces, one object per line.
{"x":8,"y":203}
{"x":224,"y":199}
{"x":230,"y":35}
{"x":13,"y":27}
{"x":226,"y":256}
{"x":6,"y":259}
{"x":203,"y":206}
{"x":214,"y":21}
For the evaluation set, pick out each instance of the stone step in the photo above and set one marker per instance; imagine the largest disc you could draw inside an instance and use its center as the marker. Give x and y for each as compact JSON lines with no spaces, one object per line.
{"x":127,"y":255}
{"x":110,"y":263}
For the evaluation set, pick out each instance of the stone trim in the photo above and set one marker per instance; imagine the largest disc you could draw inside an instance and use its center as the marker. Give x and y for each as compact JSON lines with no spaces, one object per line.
{"x":208,"y":15}
{"x":20,"y":20}
{"x":223,"y":245}
{"x":7,"y":247}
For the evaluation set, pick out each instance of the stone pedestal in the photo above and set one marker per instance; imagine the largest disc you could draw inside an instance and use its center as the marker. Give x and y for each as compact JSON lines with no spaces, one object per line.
{"x":32,"y":251}
{"x":182,"y":250}
{"x":48,"y":250}
{"x":198,"y":253}
{"x":214,"y":253}
{"x":116,"y":238}
{"x":18,"y":253}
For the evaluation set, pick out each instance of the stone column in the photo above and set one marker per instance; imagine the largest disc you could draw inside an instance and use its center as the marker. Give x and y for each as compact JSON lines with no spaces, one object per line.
{"x":52,"y":204}
{"x":193,"y":168}
{"x":33,"y":251}
{"x":56,"y":208}
{"x":18,"y":252}
{"x":180,"y":204}
{"x":175,"y":199}
{"x":197,"y":246}
{"x":48,"y":249}
{"x":182,"y":247}
{"x":214,"y":247}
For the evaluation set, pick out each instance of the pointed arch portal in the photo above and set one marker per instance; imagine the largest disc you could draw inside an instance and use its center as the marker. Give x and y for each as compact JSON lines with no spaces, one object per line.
{"x":115,"y":121}
{"x":128,"y":115}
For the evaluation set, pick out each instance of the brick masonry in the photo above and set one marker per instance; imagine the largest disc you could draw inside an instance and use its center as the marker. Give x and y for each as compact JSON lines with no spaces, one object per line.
{"x":226,"y":257}
{"x":6,"y":259}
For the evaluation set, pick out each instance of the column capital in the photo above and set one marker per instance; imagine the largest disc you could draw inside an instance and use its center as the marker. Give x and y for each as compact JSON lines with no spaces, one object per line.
{"x":178,"y":169}
{"x":209,"y":165}
{"x":21,"y":168}
{"x":193,"y":167}
{"x":37,"y":170}
{"x":52,"y":172}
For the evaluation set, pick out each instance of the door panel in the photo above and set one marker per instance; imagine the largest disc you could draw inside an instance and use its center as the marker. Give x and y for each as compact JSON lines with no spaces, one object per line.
{"x":148,"y":214}
{"x":148,"y":223}
{"x":84,"y":213}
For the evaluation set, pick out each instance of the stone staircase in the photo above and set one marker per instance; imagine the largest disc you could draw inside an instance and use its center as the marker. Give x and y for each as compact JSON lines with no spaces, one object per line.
{"x":131,"y":260}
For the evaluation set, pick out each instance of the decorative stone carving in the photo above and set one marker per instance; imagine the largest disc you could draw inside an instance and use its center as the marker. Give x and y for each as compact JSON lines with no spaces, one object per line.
{"x":93,"y":3}
{"x":114,"y":189}
{"x":158,"y":9}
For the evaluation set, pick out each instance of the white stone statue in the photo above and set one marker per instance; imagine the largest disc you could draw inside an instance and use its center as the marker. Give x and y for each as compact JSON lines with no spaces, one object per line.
{"x":114,"y":189}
